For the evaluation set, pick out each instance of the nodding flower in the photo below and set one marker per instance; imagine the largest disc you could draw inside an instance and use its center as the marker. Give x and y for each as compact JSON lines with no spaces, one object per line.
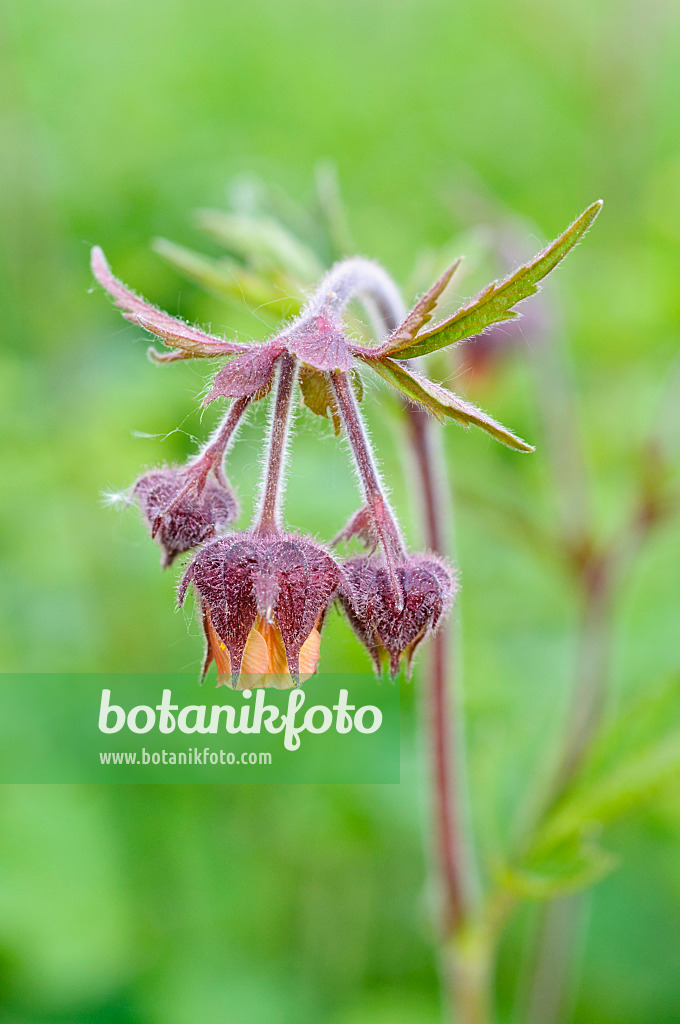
{"x":177,"y":515}
{"x":264,"y":593}
{"x":392,"y":630}
{"x":263,"y":599}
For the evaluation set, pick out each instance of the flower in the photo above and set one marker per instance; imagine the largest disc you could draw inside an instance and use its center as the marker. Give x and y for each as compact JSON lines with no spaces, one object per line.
{"x":388,"y":631}
{"x":263,"y":599}
{"x":177,"y":516}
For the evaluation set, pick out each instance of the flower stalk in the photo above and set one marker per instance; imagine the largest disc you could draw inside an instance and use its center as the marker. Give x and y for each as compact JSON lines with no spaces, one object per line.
{"x":210,"y":459}
{"x":381,"y":514}
{"x":268,"y":519}
{"x":212,"y":456}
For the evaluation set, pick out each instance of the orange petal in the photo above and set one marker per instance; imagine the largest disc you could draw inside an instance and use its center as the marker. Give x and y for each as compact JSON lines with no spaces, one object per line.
{"x":264,"y":658}
{"x":309,"y":655}
{"x":255,"y":655}
{"x":276,"y":652}
{"x":219,"y":652}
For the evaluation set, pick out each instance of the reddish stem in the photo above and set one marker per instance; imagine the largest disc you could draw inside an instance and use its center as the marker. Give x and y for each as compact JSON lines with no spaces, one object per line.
{"x":448,"y":814}
{"x":381,"y":514}
{"x":272,"y":487}
{"x":210,"y":458}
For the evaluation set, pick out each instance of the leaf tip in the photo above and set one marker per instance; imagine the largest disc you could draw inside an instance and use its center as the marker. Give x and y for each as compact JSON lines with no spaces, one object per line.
{"x":591,"y":212}
{"x":98,"y":262}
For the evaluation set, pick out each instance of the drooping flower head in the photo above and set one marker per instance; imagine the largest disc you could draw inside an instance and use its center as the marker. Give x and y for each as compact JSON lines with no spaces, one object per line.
{"x":263,"y":599}
{"x":177,"y":516}
{"x":263,"y":594}
{"x":389,"y":624}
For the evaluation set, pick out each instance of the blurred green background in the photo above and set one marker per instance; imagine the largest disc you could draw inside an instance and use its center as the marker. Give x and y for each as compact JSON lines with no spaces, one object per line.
{"x":161,"y":905}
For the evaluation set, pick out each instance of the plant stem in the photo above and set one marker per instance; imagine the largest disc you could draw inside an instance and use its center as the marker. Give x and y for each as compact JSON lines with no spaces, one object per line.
{"x":553,"y":970}
{"x":381,"y":514}
{"x":466,"y":966}
{"x":212,"y":456}
{"x":451,"y":847}
{"x":356,"y":277}
{"x":272,"y":485}
{"x":209,"y":459}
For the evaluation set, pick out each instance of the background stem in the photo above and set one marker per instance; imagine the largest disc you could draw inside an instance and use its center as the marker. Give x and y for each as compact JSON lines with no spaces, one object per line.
{"x":451,"y":853}
{"x":466,"y":975}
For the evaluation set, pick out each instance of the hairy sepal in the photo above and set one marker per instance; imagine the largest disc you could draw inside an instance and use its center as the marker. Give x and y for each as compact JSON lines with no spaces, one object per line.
{"x":248,"y":374}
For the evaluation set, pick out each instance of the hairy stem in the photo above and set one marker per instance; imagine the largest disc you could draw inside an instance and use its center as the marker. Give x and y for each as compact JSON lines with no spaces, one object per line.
{"x":357,"y":277}
{"x":452,"y":847}
{"x":466,"y":967}
{"x":272,"y":485}
{"x":381,"y":514}
{"x":212,"y":456}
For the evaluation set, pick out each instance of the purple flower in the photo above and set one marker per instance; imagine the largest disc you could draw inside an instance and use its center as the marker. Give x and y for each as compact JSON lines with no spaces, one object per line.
{"x":390,"y":632}
{"x":263,"y":598}
{"x":177,"y":516}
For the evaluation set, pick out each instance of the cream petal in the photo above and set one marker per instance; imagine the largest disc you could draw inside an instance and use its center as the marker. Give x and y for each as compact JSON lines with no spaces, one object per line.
{"x":309,"y":655}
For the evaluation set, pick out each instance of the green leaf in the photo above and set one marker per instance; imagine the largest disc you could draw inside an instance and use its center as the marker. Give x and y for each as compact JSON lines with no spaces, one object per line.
{"x":495,"y":303}
{"x":441,"y":402}
{"x":318,"y":395}
{"x":262,"y":243}
{"x":629,"y":767}
{"x":229,"y":280}
{"x":422,"y":311}
{"x":573,"y":866}
{"x":632,"y":783}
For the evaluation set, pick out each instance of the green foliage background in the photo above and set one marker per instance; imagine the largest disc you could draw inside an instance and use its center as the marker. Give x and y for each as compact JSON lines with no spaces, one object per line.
{"x":278,"y":904}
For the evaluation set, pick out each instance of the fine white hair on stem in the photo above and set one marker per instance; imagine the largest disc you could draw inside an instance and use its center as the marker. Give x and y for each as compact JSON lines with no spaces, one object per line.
{"x":275,"y":454}
{"x":354,"y":278}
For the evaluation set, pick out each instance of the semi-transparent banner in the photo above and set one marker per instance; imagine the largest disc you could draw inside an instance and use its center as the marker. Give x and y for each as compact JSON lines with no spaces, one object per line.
{"x":134,"y":728}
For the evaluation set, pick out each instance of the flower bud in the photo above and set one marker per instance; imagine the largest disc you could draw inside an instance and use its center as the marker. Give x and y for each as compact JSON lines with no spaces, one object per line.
{"x":388,"y":631}
{"x":263,"y":599}
{"x":178,"y":517}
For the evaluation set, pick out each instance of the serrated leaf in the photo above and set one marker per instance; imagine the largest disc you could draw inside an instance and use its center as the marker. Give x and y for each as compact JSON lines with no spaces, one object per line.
{"x":496,"y":302}
{"x":263,"y":243}
{"x":176,"y":334}
{"x":441,"y":402}
{"x":229,"y":280}
{"x":174,"y":356}
{"x":422,"y":311}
